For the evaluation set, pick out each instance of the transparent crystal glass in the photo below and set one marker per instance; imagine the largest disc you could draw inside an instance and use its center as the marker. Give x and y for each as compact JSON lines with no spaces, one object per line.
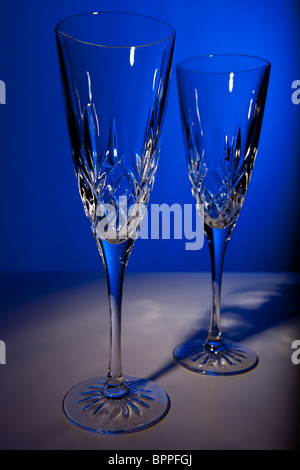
{"x":115,"y":70}
{"x":222,"y":100}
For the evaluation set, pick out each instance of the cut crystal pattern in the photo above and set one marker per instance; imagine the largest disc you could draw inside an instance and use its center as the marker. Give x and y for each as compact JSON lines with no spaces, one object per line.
{"x":222,"y":190}
{"x":137,"y":399}
{"x":225,"y":358}
{"x":115,"y":188}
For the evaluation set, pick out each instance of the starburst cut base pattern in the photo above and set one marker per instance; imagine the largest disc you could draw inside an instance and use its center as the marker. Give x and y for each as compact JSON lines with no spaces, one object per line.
{"x":229,"y":358}
{"x":144,"y":405}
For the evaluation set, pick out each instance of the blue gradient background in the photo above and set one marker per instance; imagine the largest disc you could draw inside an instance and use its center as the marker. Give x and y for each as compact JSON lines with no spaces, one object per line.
{"x":43,"y":226}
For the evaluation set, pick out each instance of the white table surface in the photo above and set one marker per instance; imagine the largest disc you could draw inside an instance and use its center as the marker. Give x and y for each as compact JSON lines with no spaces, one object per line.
{"x":56,"y":331}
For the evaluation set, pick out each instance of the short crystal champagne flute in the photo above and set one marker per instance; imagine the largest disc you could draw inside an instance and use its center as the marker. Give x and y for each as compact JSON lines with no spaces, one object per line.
{"x":115,"y":70}
{"x":222,"y":99}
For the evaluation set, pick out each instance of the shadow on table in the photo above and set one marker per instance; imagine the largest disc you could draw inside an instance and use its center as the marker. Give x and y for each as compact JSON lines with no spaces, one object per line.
{"x":243,"y":322}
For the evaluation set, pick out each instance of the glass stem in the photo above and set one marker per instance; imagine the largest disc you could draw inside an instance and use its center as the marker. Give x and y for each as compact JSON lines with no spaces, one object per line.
{"x":115,"y":258}
{"x":217,"y":241}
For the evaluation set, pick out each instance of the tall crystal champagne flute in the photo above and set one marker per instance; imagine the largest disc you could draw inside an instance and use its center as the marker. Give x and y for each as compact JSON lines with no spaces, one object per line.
{"x":222,"y":100}
{"x":115,"y":69}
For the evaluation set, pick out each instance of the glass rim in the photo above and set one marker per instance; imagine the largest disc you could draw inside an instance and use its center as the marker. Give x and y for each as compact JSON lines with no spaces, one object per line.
{"x":183,"y":64}
{"x":125,"y":13}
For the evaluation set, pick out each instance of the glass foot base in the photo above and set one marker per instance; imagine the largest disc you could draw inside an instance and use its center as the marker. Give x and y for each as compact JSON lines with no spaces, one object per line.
{"x":223,"y":358}
{"x":144,"y":405}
